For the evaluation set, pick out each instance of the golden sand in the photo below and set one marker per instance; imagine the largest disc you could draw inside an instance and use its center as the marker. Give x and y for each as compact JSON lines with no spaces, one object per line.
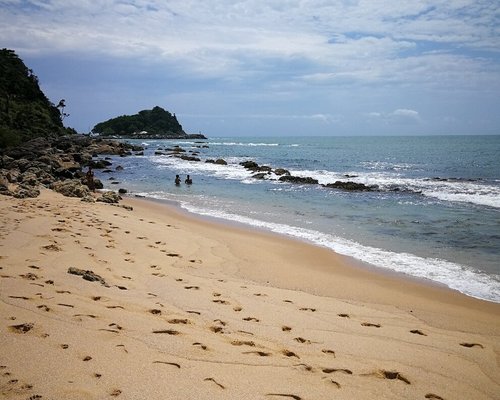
{"x":191,"y":309}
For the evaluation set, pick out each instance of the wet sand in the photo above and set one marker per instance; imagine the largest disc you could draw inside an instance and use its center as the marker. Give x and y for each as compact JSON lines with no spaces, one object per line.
{"x":101,"y":302}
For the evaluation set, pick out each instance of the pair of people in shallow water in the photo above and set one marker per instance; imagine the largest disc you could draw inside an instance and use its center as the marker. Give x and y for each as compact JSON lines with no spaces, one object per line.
{"x":188,"y":180}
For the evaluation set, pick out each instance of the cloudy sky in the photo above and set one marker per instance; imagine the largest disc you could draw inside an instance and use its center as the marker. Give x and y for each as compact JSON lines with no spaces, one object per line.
{"x":268,"y":67}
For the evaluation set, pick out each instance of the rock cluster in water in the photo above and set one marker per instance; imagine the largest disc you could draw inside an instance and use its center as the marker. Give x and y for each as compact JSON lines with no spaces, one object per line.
{"x":267,"y":172}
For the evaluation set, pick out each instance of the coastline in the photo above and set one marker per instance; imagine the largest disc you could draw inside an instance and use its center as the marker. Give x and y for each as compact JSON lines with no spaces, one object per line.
{"x":189,"y":299}
{"x":333,"y":273}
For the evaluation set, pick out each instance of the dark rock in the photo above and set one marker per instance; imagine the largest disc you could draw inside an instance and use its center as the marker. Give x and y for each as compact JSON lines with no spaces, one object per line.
{"x":110,"y":197}
{"x":350,"y":186}
{"x":71,"y":188}
{"x":139,"y":153}
{"x":98,"y":184}
{"x":64,"y":173}
{"x":220,"y":161}
{"x":119,"y":168}
{"x":5,"y":161}
{"x":21,"y":164}
{"x":298,"y":179}
{"x":281,"y":171}
{"x":88,"y":199}
{"x":88,"y":275}
{"x":122,"y":191}
{"x":261,"y":175}
{"x":99,"y":164}
{"x":210,"y":161}
{"x":25,"y":191}
{"x":250,"y":165}
{"x":188,"y":158}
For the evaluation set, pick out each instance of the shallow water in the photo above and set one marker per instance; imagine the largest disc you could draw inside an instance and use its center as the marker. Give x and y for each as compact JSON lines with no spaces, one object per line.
{"x":435,"y":213}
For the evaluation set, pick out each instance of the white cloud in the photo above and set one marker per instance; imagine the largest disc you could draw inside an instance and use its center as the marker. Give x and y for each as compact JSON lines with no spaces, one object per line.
{"x":277,"y":50}
{"x":401,"y":116}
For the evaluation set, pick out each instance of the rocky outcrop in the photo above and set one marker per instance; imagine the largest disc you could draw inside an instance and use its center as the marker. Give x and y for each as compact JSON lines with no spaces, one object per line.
{"x":71,"y":188}
{"x":299,"y":179}
{"x":110,"y":197}
{"x":350,"y":186}
{"x":56,"y":163}
{"x":88,"y":275}
{"x":251,"y":165}
{"x":281,"y":171}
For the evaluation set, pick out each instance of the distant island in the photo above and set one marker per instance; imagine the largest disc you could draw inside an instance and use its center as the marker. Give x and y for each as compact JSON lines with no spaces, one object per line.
{"x":146,"y":124}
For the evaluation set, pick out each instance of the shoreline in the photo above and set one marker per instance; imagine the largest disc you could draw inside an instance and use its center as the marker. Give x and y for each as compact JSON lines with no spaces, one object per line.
{"x":351,"y":261}
{"x":182,"y":307}
{"x":331,"y":264}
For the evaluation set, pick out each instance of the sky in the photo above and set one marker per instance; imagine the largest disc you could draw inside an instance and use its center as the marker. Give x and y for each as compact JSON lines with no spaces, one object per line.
{"x":268,"y":67}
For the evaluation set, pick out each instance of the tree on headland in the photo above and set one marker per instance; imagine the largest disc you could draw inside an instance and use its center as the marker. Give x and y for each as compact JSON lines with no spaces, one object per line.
{"x":25,"y":111}
{"x":60,"y":107}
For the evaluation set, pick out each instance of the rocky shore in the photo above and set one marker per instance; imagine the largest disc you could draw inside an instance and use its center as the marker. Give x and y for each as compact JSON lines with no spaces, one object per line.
{"x":58,"y":164}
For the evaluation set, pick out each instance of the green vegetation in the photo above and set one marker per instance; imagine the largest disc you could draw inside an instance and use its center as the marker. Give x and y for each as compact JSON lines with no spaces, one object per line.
{"x":151,"y":123}
{"x":25,"y":112}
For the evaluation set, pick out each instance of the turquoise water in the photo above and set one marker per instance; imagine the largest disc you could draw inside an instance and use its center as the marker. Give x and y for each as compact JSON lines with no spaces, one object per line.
{"x":435,"y":215}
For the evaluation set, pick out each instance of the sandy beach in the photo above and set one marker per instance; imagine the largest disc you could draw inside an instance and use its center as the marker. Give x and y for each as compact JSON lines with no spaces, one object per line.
{"x":98,"y":301}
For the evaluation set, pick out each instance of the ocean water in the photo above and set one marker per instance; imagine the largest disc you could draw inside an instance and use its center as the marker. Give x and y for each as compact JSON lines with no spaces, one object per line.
{"x":435,"y":214}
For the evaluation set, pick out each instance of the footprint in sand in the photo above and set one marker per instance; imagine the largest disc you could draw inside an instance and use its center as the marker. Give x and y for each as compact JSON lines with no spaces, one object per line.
{"x":214,"y":381}
{"x":179,"y":321}
{"x":369,"y":324}
{"x":292,"y":396}
{"x":202,"y":346}
{"x":305,"y":367}
{"x":22,"y":328}
{"x":391,"y":375}
{"x":167,"y":363}
{"x":333,"y":370}
{"x":418,"y":332}
{"x":20,"y":297}
{"x":217,"y":329}
{"x":243,"y":343}
{"x":258,"y":353}
{"x":251,"y":319}
{"x":433,"y":396}
{"x":168,"y":332}
{"x":469,"y":345}
{"x":219,"y":301}
{"x":289,"y":353}
{"x":302,"y":340}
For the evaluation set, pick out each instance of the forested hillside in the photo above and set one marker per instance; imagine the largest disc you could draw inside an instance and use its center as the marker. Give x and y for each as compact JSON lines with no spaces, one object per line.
{"x":25,"y":111}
